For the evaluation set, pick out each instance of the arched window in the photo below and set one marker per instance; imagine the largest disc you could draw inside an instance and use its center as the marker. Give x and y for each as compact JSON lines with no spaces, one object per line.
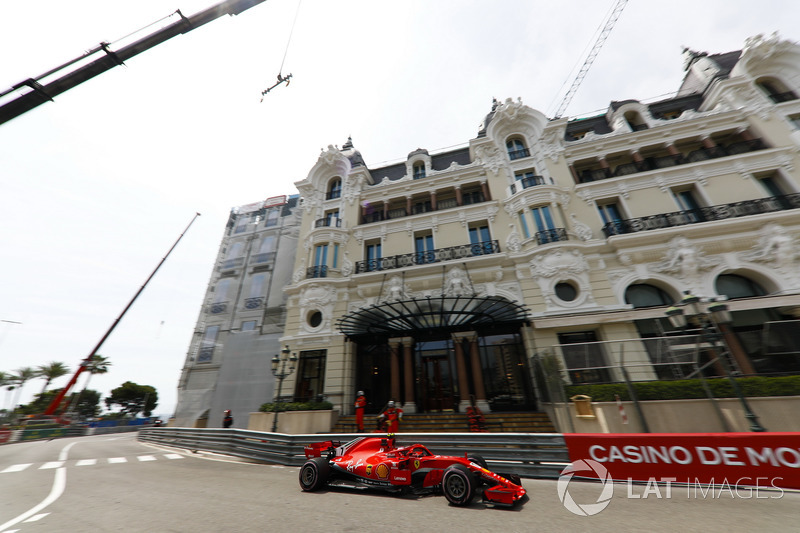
{"x":635,"y":121}
{"x":334,"y":189}
{"x":776,"y":90}
{"x":641,"y":295}
{"x":516,"y":148}
{"x":734,"y":286}
{"x":419,"y":170}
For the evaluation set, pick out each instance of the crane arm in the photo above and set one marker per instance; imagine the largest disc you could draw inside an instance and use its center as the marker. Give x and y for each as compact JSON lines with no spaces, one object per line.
{"x":39,"y":92}
{"x":601,"y":39}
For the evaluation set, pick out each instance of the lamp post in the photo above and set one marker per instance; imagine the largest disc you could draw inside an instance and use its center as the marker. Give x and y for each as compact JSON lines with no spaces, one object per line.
{"x":276,"y":362}
{"x":715,"y":314}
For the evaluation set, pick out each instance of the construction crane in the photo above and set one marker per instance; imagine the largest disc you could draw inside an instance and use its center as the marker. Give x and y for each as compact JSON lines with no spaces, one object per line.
{"x":102,"y":58}
{"x":601,"y":39}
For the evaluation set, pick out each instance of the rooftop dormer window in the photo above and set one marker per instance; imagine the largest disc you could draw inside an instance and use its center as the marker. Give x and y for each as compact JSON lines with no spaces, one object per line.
{"x":516,"y":148}
{"x":334,"y":189}
{"x":419,"y":170}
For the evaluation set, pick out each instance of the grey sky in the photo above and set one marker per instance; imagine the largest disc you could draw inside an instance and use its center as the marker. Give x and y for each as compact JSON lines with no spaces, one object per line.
{"x":96,"y":187}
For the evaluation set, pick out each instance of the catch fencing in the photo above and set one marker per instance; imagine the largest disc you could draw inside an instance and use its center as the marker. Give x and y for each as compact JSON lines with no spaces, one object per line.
{"x":532,"y":455}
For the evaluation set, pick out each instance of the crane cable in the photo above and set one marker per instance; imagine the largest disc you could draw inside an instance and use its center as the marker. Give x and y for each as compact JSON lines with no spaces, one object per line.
{"x":281,"y":78}
{"x":601,"y":39}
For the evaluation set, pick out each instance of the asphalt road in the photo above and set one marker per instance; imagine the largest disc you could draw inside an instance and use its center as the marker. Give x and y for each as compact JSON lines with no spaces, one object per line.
{"x":115,"y":483}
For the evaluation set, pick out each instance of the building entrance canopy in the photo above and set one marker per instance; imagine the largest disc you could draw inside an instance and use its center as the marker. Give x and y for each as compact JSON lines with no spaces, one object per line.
{"x":419,"y":316}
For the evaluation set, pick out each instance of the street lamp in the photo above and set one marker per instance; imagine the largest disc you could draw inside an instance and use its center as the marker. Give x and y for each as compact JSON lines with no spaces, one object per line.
{"x":715,"y":315}
{"x":281,"y":361}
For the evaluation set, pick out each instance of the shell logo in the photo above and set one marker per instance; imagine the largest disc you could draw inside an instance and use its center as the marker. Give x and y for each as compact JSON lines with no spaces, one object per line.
{"x":382,"y":471}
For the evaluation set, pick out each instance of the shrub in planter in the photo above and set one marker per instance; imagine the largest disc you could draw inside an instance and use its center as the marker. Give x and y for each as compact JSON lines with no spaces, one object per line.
{"x":295,"y":406}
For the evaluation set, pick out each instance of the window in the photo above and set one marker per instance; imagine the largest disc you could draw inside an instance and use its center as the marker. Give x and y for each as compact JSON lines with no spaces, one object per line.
{"x":689,"y":205}
{"x":332,"y":219}
{"x":314,"y":319}
{"x":266,"y":252}
{"x":419,"y":170}
{"x":334,"y":189}
{"x":206,"y":351}
{"x":795,"y":121}
{"x":220,"y":302}
{"x":516,"y":149}
{"x":524,"y":223}
{"x":241,"y":224}
{"x":566,"y":292}
{"x":612,"y":220}
{"x":249,"y":325}
{"x":320,"y":268}
{"x":584,"y":357}
{"x":373,"y":256}
{"x":776,"y":91}
{"x":641,"y":295}
{"x":528,"y":178}
{"x":771,"y":184}
{"x":423,"y":246}
{"x":272,"y":217}
{"x":233,"y":257}
{"x":257,"y":285}
{"x":310,"y":376}
{"x":480,"y":238}
{"x":734,"y":286}
{"x":545,"y":228}
{"x":335,"y":258}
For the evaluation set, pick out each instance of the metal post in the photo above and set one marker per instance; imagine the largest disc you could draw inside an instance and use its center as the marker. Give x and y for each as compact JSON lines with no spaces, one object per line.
{"x":281,"y":376}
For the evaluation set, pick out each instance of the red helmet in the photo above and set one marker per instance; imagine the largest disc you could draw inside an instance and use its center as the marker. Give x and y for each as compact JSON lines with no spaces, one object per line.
{"x":227,"y":411}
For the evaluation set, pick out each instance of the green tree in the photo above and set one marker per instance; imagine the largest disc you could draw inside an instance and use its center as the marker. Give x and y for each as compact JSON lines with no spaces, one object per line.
{"x":133,"y":398}
{"x":22,"y":376}
{"x":50,"y":372}
{"x":97,"y":365}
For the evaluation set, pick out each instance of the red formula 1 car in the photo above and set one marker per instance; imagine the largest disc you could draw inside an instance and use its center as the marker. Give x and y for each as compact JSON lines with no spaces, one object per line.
{"x":376,"y":462}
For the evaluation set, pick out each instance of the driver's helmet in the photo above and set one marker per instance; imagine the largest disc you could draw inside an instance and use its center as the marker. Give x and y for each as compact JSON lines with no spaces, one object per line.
{"x":361,"y":393}
{"x":391,"y":404}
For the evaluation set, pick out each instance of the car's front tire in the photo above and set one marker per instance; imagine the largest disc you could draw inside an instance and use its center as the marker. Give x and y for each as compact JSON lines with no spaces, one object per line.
{"x":458,"y":485}
{"x":314,"y":474}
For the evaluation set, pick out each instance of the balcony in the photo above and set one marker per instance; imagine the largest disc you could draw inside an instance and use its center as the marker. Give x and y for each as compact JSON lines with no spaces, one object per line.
{"x":230,"y":264}
{"x":253,"y":303}
{"x":526,"y":182}
{"x":328,"y":222}
{"x":518,"y":154}
{"x":317,"y":271}
{"x":468,"y":198}
{"x":703,"y":214}
{"x":205,"y":354}
{"x":432,"y":256}
{"x":551,"y":235}
{"x":655,"y":163}
{"x":333,"y":194}
{"x":218,"y":307}
{"x":266,"y":257}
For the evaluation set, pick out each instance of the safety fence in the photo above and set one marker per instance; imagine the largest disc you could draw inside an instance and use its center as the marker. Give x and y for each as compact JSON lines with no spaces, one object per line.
{"x":533,"y":455}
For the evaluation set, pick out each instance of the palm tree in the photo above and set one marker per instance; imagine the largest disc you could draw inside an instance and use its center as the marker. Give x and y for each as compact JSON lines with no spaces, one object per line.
{"x":98,"y":365}
{"x":50,"y":372}
{"x":5,"y":381}
{"x":22,"y":376}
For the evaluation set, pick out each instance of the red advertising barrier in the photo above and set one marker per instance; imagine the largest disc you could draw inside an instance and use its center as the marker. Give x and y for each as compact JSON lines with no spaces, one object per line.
{"x":756,"y":459}
{"x":5,"y":435}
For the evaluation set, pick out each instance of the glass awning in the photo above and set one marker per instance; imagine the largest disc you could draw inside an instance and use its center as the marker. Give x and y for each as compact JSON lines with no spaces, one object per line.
{"x":400,"y":318}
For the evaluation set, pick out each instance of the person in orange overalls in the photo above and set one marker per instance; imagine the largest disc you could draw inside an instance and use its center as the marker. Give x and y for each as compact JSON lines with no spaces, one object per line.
{"x":393,"y":415}
{"x":361,"y":403}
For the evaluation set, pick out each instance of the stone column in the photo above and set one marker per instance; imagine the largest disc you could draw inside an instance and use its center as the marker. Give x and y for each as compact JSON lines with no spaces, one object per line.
{"x":575,"y":177}
{"x":459,"y":199}
{"x":477,"y":374}
{"x":410,"y":404}
{"x":433,"y":200}
{"x":461,"y":371}
{"x":394,"y":368}
{"x":485,"y":189}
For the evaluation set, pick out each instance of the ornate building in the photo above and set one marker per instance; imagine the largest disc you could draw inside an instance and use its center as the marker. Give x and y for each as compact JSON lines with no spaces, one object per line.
{"x":241,"y":321}
{"x":438,"y":279}
{"x":443,"y":278}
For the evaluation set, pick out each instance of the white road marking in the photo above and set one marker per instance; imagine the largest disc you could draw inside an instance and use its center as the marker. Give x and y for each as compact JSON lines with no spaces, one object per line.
{"x":37,"y":517}
{"x":16,"y":468}
{"x":146,"y":458}
{"x":51,"y":464}
{"x":59,"y":483}
{"x":86,"y":462}
{"x":113,"y":460}
{"x":173,"y":456}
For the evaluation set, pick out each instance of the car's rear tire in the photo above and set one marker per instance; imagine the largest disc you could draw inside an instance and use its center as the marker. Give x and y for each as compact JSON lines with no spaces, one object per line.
{"x":314,"y":474}
{"x":458,"y":485}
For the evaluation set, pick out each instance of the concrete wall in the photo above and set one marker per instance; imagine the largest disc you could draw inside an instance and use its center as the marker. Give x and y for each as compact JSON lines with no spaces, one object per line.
{"x":779,"y":414}
{"x":295,"y":422}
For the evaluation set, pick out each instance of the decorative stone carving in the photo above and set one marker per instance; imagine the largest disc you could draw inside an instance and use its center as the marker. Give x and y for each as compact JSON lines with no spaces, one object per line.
{"x":490,"y":157}
{"x":347,"y":265}
{"x":317,"y":295}
{"x":685,"y":261}
{"x":300,"y":273}
{"x":559,"y":262}
{"x":513,"y":241}
{"x":457,"y":283}
{"x":583,"y":231}
{"x":775,"y":247}
{"x":396,"y":290}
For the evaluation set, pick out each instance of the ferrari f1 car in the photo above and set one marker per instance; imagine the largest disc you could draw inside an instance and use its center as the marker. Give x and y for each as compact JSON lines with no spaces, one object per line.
{"x":376,"y":462}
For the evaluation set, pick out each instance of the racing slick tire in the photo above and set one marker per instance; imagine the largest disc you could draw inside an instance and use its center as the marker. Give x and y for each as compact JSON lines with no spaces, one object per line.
{"x":478,"y":460}
{"x":458,"y":485}
{"x":314,"y":474}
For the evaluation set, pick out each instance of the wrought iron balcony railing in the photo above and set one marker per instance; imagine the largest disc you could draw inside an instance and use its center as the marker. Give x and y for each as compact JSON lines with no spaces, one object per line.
{"x":469,"y":198}
{"x":218,"y":307}
{"x":518,"y":154}
{"x":431,"y":256}
{"x":328,"y":222}
{"x":551,"y":235}
{"x":703,"y":214}
{"x":317,"y":271}
{"x":266,"y":257}
{"x":253,"y":303}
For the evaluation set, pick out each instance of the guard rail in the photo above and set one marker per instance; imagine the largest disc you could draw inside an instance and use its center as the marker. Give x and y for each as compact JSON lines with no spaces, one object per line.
{"x":533,"y":455}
